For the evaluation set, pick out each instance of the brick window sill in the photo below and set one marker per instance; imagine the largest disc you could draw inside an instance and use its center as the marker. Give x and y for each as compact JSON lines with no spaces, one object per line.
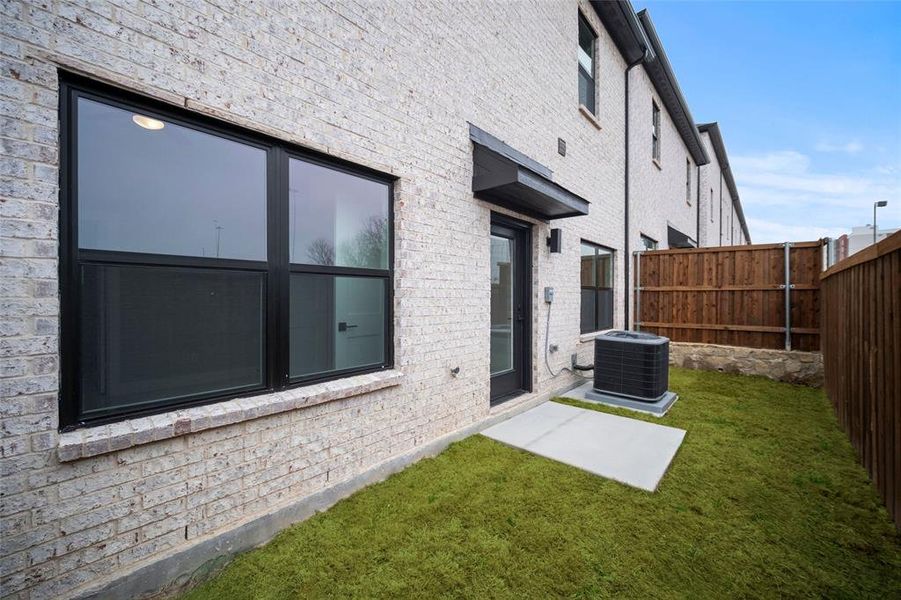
{"x":592,"y":118}
{"x":84,"y":443}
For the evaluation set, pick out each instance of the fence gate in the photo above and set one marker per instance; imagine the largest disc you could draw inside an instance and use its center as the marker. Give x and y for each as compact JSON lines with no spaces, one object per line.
{"x":760,"y":296}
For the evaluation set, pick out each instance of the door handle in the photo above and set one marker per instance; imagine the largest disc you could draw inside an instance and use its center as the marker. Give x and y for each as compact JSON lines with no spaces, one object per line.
{"x":342,"y":326}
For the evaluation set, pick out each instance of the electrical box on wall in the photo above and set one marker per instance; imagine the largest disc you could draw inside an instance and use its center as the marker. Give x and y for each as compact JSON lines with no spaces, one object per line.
{"x":549,"y":294}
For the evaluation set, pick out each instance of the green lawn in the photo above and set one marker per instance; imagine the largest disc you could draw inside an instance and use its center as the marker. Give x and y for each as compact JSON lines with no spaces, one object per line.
{"x":764,"y":499}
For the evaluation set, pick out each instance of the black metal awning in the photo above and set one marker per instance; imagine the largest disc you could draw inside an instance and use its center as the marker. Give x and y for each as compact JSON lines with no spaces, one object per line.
{"x":677,"y":239}
{"x":506,"y":177}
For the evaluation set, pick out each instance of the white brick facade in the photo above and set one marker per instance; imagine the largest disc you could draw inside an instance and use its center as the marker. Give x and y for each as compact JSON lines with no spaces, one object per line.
{"x":386,"y":85}
{"x":720,"y":219}
{"x":657,"y":188}
{"x":712,"y":211}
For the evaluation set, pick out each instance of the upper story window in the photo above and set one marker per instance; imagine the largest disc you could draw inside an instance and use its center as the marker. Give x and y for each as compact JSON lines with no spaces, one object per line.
{"x":711,"y":205}
{"x":597,"y":287}
{"x":202,"y":262}
{"x":648,"y":243}
{"x":587,"y":44}
{"x":688,"y":181}
{"x":655,"y":134}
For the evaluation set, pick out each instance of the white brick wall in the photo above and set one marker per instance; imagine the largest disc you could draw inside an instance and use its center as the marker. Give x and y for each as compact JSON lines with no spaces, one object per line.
{"x":711,"y":179}
{"x":656,"y":189}
{"x":724,"y":229}
{"x":381,"y":84}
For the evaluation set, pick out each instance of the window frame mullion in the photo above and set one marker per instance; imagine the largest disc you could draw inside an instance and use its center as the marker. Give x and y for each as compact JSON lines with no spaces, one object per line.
{"x":278,"y":301}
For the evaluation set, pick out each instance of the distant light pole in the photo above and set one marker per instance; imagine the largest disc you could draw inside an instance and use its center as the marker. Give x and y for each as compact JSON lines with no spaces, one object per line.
{"x":219,"y":229}
{"x":876,"y":205}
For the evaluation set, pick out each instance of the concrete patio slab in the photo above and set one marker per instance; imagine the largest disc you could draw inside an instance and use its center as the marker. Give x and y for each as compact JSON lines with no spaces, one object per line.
{"x":629,"y":451}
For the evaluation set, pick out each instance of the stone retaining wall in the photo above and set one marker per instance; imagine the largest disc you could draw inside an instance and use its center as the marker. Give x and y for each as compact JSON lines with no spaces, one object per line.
{"x":790,"y":366}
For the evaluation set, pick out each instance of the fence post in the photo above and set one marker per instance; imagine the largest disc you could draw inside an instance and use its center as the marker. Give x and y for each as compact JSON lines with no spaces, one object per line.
{"x":788,"y":296}
{"x":636,"y":317}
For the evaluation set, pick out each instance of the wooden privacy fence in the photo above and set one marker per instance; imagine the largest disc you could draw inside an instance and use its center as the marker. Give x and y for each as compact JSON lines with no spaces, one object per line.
{"x":861,"y":304}
{"x":732,"y":295}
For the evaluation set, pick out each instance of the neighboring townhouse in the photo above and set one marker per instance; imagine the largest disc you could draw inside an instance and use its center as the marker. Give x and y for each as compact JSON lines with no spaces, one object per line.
{"x":665,"y":153}
{"x":721,"y":219}
{"x":673,"y":165}
{"x":257,"y":256}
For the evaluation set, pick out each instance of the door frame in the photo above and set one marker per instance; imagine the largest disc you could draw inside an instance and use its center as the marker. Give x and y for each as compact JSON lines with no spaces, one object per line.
{"x":522,"y":279}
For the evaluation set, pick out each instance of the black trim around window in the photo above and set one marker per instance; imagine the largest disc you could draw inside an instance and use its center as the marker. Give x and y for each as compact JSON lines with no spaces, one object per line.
{"x":274,"y":272}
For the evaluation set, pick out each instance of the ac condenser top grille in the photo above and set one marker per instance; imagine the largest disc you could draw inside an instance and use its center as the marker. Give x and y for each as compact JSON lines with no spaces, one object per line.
{"x":631,"y":364}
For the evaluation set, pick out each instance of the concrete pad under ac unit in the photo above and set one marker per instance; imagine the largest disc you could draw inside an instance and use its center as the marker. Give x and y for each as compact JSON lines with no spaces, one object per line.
{"x":658,"y":408}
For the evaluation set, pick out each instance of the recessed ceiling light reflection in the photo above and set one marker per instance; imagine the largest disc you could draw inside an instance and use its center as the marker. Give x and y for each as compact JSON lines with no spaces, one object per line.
{"x":147,"y":122}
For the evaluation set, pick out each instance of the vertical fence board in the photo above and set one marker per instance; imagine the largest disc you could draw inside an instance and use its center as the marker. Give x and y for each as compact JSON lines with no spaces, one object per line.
{"x":860,"y":303}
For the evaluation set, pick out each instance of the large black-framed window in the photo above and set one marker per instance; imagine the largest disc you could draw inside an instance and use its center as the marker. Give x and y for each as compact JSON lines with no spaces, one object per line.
{"x":201,"y":262}
{"x":596,"y":274}
{"x":587,"y":43}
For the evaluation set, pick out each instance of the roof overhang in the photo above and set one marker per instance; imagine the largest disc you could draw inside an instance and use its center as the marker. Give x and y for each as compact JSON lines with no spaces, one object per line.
{"x":660,"y":72}
{"x":622,"y":25}
{"x":677,"y":239}
{"x":506,"y":177}
{"x":722,"y":157}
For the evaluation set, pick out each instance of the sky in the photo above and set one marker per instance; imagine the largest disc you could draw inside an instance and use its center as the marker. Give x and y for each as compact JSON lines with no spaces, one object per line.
{"x":808,"y":98}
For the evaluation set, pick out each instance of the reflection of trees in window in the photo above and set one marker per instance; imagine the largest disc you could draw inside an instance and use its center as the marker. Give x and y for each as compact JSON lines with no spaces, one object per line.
{"x":368,"y":245}
{"x":321,"y":252}
{"x":366,"y":249}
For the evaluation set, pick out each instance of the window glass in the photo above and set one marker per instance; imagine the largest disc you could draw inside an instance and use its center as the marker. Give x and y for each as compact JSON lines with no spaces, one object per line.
{"x":336,"y":323}
{"x":336,"y":218}
{"x":586,"y":46}
{"x":648,"y":243}
{"x":655,"y":136}
{"x":588,"y":269}
{"x":588,"y":311}
{"x":502,"y":252}
{"x":597,"y":288}
{"x":688,"y":181}
{"x":605,"y":268}
{"x":151,"y":186}
{"x":157,"y":335}
{"x":586,"y":91}
{"x":604,"y":311}
{"x":586,"y":65}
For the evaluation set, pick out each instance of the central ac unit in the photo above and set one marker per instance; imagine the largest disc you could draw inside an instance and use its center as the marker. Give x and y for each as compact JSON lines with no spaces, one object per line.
{"x":631,"y":364}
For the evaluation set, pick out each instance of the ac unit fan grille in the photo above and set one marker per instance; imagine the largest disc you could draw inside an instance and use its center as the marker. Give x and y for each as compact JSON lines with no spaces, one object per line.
{"x":630,"y":364}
